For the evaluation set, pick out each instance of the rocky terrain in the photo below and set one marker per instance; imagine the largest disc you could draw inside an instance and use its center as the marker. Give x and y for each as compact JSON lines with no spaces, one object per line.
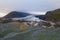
{"x":35,"y":29}
{"x":14,"y":31}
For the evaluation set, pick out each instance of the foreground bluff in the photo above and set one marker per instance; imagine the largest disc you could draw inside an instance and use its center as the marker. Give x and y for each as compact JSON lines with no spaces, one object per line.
{"x":53,"y":15}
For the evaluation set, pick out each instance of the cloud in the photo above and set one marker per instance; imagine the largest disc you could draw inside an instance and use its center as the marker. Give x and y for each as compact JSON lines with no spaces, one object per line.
{"x":30,"y":5}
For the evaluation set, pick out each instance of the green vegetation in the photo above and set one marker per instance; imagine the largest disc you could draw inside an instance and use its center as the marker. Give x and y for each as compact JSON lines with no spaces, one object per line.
{"x":55,"y":15}
{"x":51,"y":34}
{"x":37,"y":34}
{"x":6,"y":32}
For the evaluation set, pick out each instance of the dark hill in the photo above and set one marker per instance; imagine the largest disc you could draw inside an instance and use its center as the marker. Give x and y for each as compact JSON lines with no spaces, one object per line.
{"x":41,"y":17}
{"x":15,"y":14}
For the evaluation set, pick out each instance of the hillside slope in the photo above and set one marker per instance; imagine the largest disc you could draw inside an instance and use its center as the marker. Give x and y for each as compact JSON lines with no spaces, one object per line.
{"x":16,"y":14}
{"x":53,"y":15}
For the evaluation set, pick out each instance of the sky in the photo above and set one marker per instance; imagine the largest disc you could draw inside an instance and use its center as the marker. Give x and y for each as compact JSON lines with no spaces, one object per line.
{"x":29,"y":5}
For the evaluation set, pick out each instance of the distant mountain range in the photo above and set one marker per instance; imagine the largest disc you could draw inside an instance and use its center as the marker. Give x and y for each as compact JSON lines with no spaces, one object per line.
{"x":16,"y":14}
{"x":50,"y":15}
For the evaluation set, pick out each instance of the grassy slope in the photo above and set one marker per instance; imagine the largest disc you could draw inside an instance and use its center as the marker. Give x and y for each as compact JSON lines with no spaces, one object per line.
{"x":12,"y":27}
{"x":55,"y":14}
{"x":7,"y":28}
{"x":45,"y":34}
{"x":20,"y":25}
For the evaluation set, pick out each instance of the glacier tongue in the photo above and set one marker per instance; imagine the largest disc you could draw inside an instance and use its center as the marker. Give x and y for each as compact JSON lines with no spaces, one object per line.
{"x":31,"y":18}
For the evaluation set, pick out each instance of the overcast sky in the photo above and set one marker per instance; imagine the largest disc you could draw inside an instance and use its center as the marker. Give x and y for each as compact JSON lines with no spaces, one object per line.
{"x":29,"y":5}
